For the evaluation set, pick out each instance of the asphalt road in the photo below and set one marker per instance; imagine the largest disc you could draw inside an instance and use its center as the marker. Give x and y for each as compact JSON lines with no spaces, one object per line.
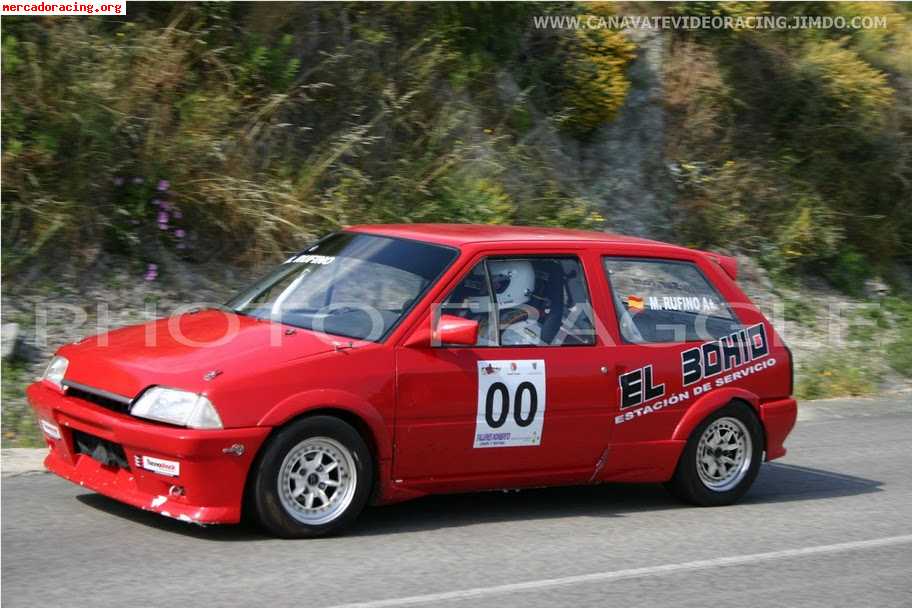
{"x":829,"y":525}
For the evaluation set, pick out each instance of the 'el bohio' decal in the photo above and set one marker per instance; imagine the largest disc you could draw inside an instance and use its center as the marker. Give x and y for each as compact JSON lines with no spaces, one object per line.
{"x":722,"y":355}
{"x":745,"y":349}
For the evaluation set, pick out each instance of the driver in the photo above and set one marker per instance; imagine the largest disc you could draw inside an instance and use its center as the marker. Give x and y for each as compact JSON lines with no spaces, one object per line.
{"x":514,"y":284}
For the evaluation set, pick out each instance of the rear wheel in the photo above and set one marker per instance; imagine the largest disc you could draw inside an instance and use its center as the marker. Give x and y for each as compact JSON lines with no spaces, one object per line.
{"x":313,"y":479}
{"x":721,"y":459}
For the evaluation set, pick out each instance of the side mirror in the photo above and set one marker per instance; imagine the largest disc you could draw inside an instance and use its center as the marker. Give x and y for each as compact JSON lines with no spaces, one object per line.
{"x":455,"y":330}
{"x":450,"y":330}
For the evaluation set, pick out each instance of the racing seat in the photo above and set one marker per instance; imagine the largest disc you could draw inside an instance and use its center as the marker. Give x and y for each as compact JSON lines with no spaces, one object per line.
{"x":552,"y":296}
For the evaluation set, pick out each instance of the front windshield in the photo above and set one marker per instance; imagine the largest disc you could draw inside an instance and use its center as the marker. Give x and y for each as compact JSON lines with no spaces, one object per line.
{"x":348,"y":284}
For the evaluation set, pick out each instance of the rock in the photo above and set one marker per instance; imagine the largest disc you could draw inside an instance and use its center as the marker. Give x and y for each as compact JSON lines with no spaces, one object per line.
{"x":10,"y":341}
{"x":876,"y":289}
{"x":16,"y":461}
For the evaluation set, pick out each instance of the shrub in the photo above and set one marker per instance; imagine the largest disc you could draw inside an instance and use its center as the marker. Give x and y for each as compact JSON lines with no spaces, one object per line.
{"x":836,"y":375}
{"x":899,"y":351}
{"x":595,"y":66}
{"x":809,"y":233}
{"x":848,"y":271}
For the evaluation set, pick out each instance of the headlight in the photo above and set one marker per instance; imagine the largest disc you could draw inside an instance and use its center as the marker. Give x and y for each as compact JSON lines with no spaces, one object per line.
{"x":177,"y":407}
{"x":55,"y":371}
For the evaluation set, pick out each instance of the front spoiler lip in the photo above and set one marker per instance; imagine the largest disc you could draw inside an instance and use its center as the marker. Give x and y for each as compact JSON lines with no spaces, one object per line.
{"x":82,"y":475}
{"x":214,"y":480}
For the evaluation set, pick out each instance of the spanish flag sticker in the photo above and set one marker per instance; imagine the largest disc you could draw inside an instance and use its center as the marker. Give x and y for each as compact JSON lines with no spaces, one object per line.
{"x":635,"y":303}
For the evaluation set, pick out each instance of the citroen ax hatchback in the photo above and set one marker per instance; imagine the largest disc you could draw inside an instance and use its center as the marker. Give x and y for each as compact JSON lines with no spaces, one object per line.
{"x":385,"y":363}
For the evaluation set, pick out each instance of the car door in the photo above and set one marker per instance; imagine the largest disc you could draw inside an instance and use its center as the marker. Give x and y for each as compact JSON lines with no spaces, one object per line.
{"x":664,"y":307}
{"x":528,"y":403}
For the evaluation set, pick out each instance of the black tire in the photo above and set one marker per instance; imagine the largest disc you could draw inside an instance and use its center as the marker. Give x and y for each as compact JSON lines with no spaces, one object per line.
{"x":272,"y":510}
{"x":690,"y":485}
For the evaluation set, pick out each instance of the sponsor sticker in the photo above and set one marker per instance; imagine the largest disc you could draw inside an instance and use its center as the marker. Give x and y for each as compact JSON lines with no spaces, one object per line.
{"x":511,"y":403}
{"x":169,"y":468}
{"x":704,"y":368}
{"x":311,"y":258}
{"x":50,"y":429}
{"x":695,"y":304}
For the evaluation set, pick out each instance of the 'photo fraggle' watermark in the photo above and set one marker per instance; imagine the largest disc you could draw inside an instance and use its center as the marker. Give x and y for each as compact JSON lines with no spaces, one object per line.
{"x":55,"y":323}
{"x":37,"y":8}
{"x":708,"y":22}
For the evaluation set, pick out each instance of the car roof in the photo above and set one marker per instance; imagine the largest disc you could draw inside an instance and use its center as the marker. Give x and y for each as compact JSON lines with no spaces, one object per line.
{"x":456,"y":235}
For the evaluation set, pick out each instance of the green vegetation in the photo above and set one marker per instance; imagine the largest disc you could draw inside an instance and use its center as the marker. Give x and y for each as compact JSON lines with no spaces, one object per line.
{"x":238,"y":130}
{"x":796,"y":144}
{"x":899,"y":350}
{"x":799,"y":311}
{"x":594,"y":66}
{"x":19,"y":424}
{"x":879,"y":336}
{"x":232,"y":130}
{"x":837,"y":375}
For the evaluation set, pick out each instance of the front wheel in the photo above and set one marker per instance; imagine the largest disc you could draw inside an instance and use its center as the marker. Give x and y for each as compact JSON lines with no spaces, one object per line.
{"x":313,"y":479}
{"x":721,"y":459}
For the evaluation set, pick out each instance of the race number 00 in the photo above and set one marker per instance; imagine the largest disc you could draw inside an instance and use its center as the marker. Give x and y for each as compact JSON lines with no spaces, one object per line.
{"x":512,"y":403}
{"x":500,"y":387}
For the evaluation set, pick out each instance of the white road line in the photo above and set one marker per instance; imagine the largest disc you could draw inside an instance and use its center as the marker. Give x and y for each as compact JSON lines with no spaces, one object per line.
{"x":614,"y":575}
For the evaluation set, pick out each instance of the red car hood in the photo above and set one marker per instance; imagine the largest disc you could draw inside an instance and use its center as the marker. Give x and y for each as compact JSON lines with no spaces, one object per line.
{"x":180,"y":351}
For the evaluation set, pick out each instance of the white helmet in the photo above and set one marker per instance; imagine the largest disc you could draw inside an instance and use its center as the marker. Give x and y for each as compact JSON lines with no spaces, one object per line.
{"x":513,"y":281}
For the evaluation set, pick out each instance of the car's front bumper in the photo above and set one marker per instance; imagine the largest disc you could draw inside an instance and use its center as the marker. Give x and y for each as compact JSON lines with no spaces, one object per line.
{"x":208,"y":487}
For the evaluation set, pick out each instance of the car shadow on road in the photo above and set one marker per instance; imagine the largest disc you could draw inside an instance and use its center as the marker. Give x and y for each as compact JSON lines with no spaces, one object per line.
{"x":776,"y":483}
{"x":779,"y":482}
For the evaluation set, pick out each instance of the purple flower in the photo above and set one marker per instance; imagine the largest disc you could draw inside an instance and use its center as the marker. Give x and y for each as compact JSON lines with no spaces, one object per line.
{"x":165,"y":205}
{"x":180,"y":233}
{"x":163,"y":185}
{"x":177,"y":213}
{"x":163,"y":220}
{"x":151,"y":272}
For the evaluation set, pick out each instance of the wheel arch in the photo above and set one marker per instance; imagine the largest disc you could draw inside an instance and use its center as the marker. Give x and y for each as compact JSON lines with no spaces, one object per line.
{"x":711,"y":402}
{"x":362,"y":415}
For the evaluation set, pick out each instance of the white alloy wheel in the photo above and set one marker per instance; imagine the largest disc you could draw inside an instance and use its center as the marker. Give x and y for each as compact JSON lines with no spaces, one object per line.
{"x":317,"y":480}
{"x":724,"y":454}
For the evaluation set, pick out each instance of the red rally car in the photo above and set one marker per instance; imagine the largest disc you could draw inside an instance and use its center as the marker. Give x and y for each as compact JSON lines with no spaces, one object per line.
{"x":389,"y":362}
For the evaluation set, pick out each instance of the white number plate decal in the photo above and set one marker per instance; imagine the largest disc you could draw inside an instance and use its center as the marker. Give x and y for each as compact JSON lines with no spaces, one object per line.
{"x":169,"y":468}
{"x":511,"y":403}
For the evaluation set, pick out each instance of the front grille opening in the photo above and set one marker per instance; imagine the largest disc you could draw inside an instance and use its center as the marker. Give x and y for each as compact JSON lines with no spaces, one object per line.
{"x":106,"y":452}
{"x":105,"y":402}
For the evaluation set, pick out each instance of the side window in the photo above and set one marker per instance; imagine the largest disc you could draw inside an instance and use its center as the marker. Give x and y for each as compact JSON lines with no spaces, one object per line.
{"x":666,"y":301}
{"x":471,"y":299}
{"x":533,"y":301}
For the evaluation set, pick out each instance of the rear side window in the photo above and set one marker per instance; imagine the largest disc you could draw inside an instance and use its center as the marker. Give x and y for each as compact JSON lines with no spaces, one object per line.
{"x":534,"y":301}
{"x":660,"y":301}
